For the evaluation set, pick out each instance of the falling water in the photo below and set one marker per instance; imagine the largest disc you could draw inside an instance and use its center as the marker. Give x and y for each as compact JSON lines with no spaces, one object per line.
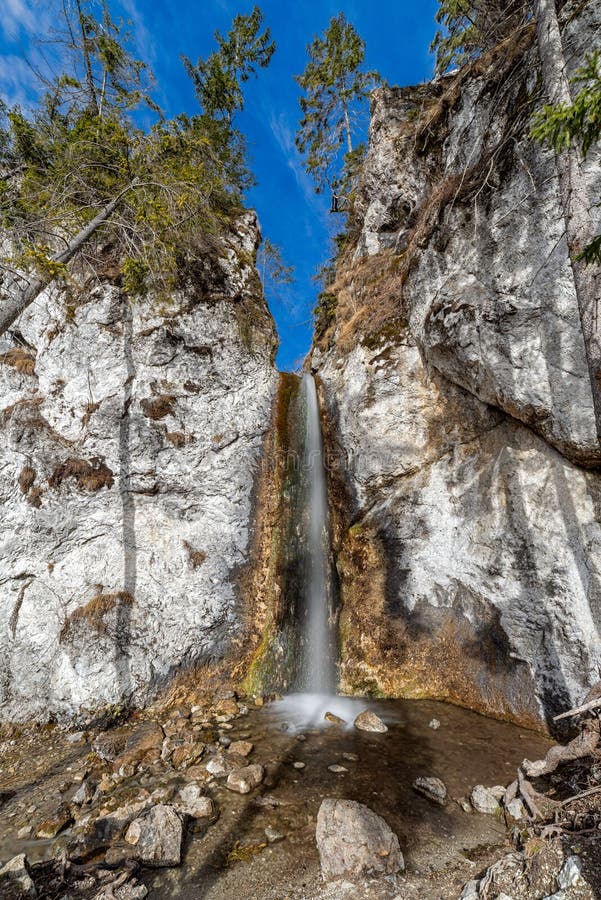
{"x":318,"y":666}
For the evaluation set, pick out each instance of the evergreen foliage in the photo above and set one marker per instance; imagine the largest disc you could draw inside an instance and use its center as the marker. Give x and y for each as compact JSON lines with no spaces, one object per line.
{"x":577,"y":122}
{"x":176,"y":182}
{"x":218,"y":79}
{"x":335,"y":90}
{"x":469,"y":27}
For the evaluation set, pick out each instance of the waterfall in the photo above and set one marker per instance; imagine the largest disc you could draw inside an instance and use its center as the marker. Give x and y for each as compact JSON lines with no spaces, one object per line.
{"x":318,"y":665}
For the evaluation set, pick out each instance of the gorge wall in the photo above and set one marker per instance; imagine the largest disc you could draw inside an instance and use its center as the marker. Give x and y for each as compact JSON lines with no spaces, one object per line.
{"x":130,"y":441}
{"x":465,"y":463}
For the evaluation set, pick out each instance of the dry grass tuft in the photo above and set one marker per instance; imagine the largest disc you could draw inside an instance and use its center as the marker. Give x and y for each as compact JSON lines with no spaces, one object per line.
{"x":196,"y":557}
{"x":177,"y":438}
{"x":159,"y":407}
{"x":20,"y":360}
{"x":26,"y":478}
{"x":89,"y":476}
{"x":92,"y":615}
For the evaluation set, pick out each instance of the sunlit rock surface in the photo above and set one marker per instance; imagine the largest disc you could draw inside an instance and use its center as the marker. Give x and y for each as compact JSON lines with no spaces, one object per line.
{"x":459,"y":412}
{"x":129,"y":446}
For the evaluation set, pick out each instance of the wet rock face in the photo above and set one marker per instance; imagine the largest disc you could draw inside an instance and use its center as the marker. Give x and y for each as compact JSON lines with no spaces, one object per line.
{"x":354,"y":842}
{"x":462,"y":430}
{"x":129,"y":443}
{"x":472,"y":571}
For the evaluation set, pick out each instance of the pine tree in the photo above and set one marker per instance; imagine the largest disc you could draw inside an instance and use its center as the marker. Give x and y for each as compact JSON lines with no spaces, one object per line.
{"x":218,"y":79}
{"x":469,"y":27}
{"x":335,"y":90}
{"x":77,"y":175}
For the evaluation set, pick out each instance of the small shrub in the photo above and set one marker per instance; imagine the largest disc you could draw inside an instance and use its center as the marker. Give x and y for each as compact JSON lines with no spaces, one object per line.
{"x":324,"y":312}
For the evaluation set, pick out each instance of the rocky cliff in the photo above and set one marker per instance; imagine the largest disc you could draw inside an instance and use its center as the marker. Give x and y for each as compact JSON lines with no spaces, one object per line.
{"x":130,"y":440}
{"x":465,"y":469}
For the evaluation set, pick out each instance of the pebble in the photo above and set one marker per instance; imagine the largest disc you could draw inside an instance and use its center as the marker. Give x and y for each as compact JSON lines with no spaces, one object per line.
{"x":434,"y":724}
{"x":334,"y":719}
{"x":273,"y":835}
{"x":298,"y":764}
{"x":369,"y":721}
{"x":352,"y":757}
{"x":242,"y":781}
{"x":432,"y":788}
{"x":242,"y":748}
{"x":337,"y":769}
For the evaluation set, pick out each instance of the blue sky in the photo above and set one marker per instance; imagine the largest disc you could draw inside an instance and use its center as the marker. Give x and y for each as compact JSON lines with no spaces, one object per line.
{"x":397,"y":34}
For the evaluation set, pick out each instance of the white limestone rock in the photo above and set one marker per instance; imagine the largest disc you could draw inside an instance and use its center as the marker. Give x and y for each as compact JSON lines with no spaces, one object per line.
{"x":127,"y":466}
{"x":467,"y":435}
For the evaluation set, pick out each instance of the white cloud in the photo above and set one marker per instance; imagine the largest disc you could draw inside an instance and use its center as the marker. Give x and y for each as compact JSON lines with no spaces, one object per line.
{"x":142,"y":37}
{"x":17,"y":16}
{"x":284,"y":138}
{"x":18,"y":84}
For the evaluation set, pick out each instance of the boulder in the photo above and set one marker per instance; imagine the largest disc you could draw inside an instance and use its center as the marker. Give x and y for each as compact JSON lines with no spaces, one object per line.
{"x":369,"y":721}
{"x":145,"y":742}
{"x":483,"y":800}
{"x":156,"y":837}
{"x":516,"y":809}
{"x":244,"y":780}
{"x":354,"y":842}
{"x":432,"y":788}
{"x":15,"y":880}
{"x":84,"y":793}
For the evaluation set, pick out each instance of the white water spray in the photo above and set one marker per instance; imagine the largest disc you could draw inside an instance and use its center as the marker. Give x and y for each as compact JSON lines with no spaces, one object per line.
{"x":319,"y":664}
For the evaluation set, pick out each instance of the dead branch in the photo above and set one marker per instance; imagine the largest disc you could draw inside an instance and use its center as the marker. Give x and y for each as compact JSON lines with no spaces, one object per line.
{"x":583,"y":745}
{"x":595,"y":790}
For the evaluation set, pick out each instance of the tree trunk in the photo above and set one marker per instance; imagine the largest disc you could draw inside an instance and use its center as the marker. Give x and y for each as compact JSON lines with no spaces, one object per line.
{"x":16,"y":299}
{"x":85,"y":46}
{"x":576,"y":208}
{"x":347,"y":123}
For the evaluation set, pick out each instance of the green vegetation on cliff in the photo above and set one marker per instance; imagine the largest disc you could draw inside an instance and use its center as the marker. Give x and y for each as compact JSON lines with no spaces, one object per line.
{"x":81,"y":178}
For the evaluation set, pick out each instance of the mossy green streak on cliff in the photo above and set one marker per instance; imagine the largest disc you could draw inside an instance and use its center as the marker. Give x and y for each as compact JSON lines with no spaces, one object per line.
{"x":271,"y":660}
